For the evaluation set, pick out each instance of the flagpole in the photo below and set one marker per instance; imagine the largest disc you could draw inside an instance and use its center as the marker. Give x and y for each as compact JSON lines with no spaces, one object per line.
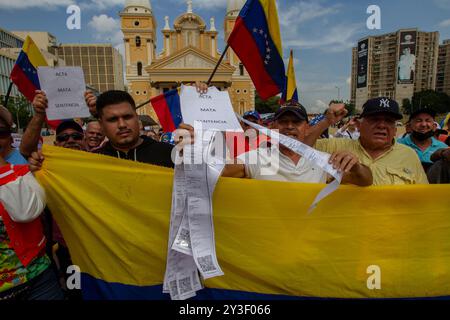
{"x":218,"y":64}
{"x":210,"y":77}
{"x":8,"y":93}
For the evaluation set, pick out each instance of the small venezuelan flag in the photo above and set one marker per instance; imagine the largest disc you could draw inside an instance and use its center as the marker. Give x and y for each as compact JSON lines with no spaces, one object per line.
{"x":168,"y":109}
{"x":24,"y":74}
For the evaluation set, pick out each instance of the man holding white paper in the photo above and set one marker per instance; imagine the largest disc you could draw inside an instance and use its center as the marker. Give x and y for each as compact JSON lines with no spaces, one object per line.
{"x":274,"y":162}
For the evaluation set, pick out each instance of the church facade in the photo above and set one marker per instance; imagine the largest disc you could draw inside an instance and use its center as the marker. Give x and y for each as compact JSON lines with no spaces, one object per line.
{"x":189,"y":54}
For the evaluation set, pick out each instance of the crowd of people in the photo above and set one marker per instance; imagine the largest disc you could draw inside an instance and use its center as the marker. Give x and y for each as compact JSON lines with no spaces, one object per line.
{"x":366,"y":150}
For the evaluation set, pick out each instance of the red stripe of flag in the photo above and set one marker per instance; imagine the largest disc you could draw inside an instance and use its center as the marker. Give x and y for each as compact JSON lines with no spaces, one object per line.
{"x":25,"y":86}
{"x":162,"y":110}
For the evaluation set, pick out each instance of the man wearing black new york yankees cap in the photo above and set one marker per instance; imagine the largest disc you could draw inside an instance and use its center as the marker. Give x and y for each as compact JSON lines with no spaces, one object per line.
{"x":391,"y":163}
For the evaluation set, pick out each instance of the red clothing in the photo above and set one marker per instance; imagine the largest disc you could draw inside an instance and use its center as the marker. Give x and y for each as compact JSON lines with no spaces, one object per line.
{"x":23,"y":228}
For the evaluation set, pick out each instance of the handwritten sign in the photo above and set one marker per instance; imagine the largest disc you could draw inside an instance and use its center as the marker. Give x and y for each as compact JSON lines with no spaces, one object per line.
{"x":64,"y":87}
{"x":213,"y":109}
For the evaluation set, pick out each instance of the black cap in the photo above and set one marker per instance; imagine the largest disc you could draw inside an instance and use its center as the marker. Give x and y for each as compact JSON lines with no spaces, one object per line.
{"x":381,"y":105}
{"x":429,"y":111}
{"x":68,"y":124}
{"x":298,"y":110}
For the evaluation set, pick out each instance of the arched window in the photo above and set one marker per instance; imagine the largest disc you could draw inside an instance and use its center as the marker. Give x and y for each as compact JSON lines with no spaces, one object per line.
{"x":241,"y":69}
{"x":138,"y":41}
{"x":139,"y":68}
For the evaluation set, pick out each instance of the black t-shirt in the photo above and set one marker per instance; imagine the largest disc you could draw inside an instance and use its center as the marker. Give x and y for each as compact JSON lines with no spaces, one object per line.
{"x":149,"y":151}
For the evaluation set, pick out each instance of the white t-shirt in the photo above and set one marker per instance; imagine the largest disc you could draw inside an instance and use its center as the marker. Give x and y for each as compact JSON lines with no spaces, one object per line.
{"x":271,"y":164}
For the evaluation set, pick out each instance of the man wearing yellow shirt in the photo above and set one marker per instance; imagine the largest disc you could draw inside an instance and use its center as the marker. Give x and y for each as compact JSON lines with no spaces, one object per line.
{"x":391,"y":163}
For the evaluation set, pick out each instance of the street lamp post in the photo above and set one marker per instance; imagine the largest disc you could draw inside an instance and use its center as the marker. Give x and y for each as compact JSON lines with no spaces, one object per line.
{"x":339,"y":92}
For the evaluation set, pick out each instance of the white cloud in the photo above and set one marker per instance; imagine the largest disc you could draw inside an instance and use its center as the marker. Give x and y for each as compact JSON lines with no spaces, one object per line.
{"x":443,"y":4}
{"x":103,"y":23}
{"x":445,"y":23}
{"x":43,"y":4}
{"x":294,"y":15}
{"x":339,"y":38}
{"x":320,"y":106}
{"x":107,"y":29}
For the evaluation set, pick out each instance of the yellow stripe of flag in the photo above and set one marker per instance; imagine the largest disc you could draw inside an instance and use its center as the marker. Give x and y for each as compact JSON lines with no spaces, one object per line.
{"x":33,"y":53}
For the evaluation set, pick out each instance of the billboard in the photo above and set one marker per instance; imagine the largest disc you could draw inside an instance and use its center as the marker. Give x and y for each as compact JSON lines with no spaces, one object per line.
{"x":363,"y":58}
{"x":407,"y":57}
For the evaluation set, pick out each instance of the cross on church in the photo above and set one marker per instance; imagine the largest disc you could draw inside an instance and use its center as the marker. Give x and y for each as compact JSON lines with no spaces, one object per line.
{"x":189,"y":4}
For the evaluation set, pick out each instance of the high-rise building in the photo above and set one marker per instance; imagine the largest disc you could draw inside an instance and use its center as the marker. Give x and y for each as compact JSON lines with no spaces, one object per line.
{"x":395,"y":65}
{"x":190,"y":53}
{"x":443,"y":68}
{"x":9,"y":40}
{"x":102,"y":64}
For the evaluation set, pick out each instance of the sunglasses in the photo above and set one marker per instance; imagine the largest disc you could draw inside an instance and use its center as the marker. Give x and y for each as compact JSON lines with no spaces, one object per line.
{"x":66,"y":137}
{"x":5,"y":133}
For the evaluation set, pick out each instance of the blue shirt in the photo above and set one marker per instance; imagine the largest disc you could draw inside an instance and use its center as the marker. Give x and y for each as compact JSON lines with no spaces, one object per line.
{"x":424,"y":156}
{"x":16,"y":158}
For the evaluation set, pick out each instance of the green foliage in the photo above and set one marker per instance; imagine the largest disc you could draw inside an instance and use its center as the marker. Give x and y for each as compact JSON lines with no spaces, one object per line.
{"x":437,"y":101}
{"x":267,"y":106}
{"x":21,"y":110}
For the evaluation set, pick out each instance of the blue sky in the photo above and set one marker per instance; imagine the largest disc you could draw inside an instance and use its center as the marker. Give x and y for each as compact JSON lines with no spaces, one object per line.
{"x":321,"y":32}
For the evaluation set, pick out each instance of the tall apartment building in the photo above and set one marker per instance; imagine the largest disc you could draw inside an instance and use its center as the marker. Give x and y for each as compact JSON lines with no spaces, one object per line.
{"x":443,"y":68}
{"x":395,"y":65}
{"x":102,"y":64}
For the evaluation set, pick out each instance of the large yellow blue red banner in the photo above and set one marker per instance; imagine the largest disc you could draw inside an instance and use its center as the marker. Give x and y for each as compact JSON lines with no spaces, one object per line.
{"x":377,"y":242}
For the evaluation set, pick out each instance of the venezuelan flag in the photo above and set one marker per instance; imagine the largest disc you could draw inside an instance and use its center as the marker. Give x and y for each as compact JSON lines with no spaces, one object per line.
{"x":168,"y":109}
{"x":24,"y":74}
{"x":256,"y":41}
{"x":290,"y":90}
{"x":445,"y":121}
{"x":268,"y":245}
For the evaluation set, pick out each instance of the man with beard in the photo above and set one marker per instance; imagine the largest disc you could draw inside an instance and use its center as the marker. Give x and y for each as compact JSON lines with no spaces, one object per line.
{"x":421,"y":139}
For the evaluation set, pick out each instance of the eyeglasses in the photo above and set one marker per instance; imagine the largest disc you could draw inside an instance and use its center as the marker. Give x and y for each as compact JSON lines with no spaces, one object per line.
{"x":66,"y":137}
{"x":5,"y":133}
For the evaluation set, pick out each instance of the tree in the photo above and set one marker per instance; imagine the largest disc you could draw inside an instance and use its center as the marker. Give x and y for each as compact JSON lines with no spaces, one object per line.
{"x":437,"y":101}
{"x":406,"y":106}
{"x":20,"y":109}
{"x":267,"y":106}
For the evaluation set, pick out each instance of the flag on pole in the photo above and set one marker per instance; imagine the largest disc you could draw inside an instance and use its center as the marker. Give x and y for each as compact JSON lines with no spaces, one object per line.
{"x":24,"y":74}
{"x":290,"y":91}
{"x":256,"y":41}
{"x":445,"y":121}
{"x":168,"y":109}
